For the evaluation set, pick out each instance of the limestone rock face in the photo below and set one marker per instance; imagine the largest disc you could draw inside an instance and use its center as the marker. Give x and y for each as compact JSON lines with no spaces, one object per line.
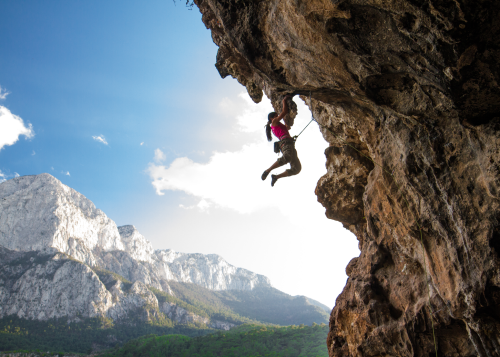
{"x":122,"y":263}
{"x":210,"y":271}
{"x":135,"y":244}
{"x":180,"y":315}
{"x":407,"y":95}
{"x":40,"y":285}
{"x":52,"y":290}
{"x":37,"y":212}
{"x":47,"y":284}
{"x":137,"y":297}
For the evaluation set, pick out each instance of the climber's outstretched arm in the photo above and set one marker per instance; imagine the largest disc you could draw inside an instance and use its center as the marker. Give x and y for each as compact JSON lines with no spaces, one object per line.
{"x":284,"y":112}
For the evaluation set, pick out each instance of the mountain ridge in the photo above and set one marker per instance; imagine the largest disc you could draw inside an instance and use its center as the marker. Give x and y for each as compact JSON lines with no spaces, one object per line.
{"x":38,"y":211}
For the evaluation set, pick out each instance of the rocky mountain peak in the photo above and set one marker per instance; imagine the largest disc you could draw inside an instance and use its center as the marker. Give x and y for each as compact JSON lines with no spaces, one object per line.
{"x":135,"y":243}
{"x":40,"y":211}
{"x":210,"y":271}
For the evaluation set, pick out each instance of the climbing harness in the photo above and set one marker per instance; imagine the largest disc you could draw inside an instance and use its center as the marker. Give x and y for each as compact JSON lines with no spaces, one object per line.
{"x":277,"y":144}
{"x":277,"y":147}
{"x":407,"y":206}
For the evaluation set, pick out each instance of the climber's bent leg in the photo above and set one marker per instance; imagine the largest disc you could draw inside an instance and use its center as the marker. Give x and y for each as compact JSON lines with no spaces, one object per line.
{"x":280,"y":162}
{"x":295,"y":165}
{"x":289,"y":155}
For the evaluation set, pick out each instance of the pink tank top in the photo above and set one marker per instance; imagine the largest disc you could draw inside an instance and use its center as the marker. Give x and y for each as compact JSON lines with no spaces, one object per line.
{"x":280,"y":131}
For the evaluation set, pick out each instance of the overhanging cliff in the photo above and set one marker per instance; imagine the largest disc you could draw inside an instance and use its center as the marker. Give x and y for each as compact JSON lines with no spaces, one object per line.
{"x":413,"y":85}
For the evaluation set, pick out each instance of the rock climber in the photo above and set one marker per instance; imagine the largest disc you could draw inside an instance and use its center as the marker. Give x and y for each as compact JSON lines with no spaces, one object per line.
{"x":286,"y":143}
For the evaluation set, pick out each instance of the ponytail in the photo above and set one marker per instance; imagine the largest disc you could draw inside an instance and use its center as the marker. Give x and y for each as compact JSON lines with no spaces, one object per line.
{"x":270,"y":117}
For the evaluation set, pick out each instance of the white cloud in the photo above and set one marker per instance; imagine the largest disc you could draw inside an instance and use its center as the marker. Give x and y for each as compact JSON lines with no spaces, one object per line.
{"x":254,"y":116}
{"x":228,"y":107}
{"x":11,"y":127}
{"x":232,"y":179}
{"x":3,"y":93}
{"x":100,"y":139}
{"x":203,"y":206}
{"x":227,"y":179}
{"x":225,"y":104}
{"x":159,"y":156}
{"x":5,"y":177}
{"x":251,"y":117}
{"x":33,"y":153}
{"x":66,"y":173}
{"x":52,"y":168}
{"x":142,"y":143}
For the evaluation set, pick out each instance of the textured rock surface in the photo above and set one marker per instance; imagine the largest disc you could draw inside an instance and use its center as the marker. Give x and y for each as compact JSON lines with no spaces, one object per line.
{"x":37,"y":212}
{"x":413,"y":85}
{"x":180,"y":315}
{"x":210,"y":271}
{"x":135,"y":244}
{"x":48,"y":284}
{"x":137,"y":297}
{"x":122,"y":263}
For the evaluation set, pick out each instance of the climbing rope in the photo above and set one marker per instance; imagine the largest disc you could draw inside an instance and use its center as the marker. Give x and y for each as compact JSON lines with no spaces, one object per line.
{"x":407,"y":205}
{"x":296,"y":136}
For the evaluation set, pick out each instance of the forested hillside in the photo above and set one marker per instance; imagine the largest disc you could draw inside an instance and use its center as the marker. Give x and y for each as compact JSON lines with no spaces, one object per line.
{"x":85,"y":336}
{"x":246,"y":340}
{"x":262,"y":304}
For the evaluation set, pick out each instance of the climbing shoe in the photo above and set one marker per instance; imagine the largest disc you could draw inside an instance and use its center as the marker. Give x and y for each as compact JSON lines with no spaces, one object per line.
{"x":264,"y":175}
{"x":273,"y":180}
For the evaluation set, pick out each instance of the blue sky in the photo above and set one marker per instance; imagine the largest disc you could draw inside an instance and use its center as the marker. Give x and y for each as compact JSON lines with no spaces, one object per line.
{"x":126,"y":106}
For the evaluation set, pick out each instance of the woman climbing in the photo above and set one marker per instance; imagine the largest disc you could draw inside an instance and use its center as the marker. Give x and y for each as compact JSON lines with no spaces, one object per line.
{"x":287,"y":145}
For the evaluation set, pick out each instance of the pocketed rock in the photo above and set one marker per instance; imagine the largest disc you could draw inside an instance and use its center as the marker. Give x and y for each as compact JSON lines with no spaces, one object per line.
{"x":413,"y":87}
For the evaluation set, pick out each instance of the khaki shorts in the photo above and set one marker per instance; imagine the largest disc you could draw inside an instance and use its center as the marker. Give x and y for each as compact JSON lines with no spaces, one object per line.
{"x":290,"y":156}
